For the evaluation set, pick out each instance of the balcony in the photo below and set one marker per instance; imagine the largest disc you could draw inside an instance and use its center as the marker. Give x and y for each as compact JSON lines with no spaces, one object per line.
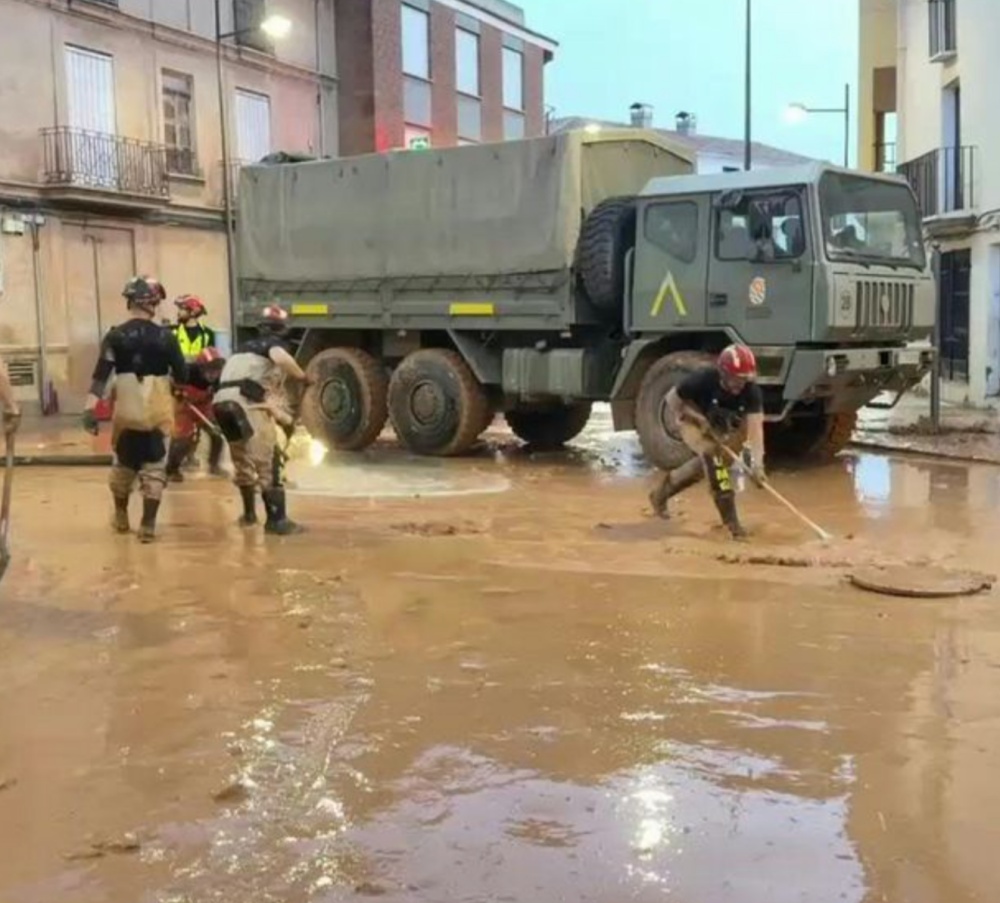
{"x":102,"y":168}
{"x":944,"y":182}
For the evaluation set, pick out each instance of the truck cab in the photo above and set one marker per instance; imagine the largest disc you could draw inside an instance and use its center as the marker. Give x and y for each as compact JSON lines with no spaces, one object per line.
{"x":821,"y":270}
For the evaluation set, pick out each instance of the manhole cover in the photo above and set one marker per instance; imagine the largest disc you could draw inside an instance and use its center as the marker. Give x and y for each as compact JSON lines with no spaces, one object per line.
{"x":921,"y":583}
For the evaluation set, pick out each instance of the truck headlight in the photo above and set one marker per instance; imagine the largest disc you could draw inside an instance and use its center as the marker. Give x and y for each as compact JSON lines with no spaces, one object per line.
{"x":831,"y":367}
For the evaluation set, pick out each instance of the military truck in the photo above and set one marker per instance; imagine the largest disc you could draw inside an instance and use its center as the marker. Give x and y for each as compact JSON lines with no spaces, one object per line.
{"x":438,"y":288}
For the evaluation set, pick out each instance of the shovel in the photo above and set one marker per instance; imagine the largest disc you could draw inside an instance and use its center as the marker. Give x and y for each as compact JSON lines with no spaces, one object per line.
{"x":778,"y":497}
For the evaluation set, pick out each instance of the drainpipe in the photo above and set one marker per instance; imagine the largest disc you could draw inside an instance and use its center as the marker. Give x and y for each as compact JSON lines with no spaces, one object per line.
{"x":319,"y":84}
{"x":44,"y":399}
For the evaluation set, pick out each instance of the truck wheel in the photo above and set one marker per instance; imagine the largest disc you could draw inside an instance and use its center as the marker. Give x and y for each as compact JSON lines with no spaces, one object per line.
{"x":436,"y":404}
{"x":658,"y":434}
{"x":549,"y":427}
{"x":816,"y":438}
{"x":606,"y":236}
{"x":346,"y":405}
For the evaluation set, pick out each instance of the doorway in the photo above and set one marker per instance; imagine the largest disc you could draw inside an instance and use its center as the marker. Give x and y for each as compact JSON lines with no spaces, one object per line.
{"x":953,"y":314}
{"x":99,"y":261}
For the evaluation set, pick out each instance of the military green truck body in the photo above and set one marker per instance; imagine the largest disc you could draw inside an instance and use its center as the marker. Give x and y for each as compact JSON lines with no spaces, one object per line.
{"x":438,"y":288}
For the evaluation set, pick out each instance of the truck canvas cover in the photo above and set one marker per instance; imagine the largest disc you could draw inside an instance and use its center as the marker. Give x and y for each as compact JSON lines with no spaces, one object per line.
{"x":514,"y":207}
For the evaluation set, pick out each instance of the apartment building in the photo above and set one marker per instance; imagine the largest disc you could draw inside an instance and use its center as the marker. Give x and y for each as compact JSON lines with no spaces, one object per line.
{"x":418,"y":73}
{"x":928,"y":72}
{"x":111,"y":158}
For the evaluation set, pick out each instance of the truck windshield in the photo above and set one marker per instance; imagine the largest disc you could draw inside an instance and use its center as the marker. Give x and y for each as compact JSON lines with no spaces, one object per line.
{"x":870,"y":220}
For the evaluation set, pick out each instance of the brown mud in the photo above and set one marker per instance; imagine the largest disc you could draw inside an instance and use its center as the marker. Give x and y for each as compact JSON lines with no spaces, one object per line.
{"x":497,"y":679}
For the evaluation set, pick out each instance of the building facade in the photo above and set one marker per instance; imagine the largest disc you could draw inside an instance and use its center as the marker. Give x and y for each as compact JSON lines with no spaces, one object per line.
{"x":928,"y":72}
{"x":111,"y":159}
{"x":419,"y":73}
{"x":711,"y":154}
{"x":111,"y":138}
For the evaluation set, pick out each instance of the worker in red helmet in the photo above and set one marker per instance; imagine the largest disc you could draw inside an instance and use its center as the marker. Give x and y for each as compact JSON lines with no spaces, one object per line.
{"x":142,"y":357}
{"x":249,"y":407}
{"x":711,"y":406}
{"x":192,"y":335}
{"x":193,"y":413}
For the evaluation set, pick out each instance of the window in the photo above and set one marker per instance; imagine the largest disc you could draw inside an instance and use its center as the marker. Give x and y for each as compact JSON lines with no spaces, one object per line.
{"x":90,"y":79}
{"x":253,"y":126}
{"x":673,"y":228}
{"x":178,"y":122}
{"x":513,"y":79}
{"x":870,"y":220}
{"x":513,"y":93}
{"x":416,"y":43}
{"x":470,"y":118}
{"x":942,"y":28}
{"x":760,"y":227}
{"x":467,"y":62}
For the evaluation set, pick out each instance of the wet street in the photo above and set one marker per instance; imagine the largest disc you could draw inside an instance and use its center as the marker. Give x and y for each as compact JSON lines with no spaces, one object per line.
{"x":498,"y":679}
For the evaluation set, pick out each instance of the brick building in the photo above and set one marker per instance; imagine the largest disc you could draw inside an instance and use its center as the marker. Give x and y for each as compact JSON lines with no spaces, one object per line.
{"x":444,"y":71}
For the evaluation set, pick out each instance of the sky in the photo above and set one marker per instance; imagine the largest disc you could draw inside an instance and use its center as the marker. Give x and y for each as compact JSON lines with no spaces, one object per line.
{"x":688,"y":55}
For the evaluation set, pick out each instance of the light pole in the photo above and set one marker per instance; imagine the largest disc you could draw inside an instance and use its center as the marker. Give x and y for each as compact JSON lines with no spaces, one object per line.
{"x":747,"y":86}
{"x":274,"y":26}
{"x":798,"y":111}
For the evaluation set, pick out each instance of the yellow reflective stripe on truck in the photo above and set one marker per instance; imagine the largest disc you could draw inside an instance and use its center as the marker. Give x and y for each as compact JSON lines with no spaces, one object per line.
{"x":310,"y":310}
{"x":472,"y":309}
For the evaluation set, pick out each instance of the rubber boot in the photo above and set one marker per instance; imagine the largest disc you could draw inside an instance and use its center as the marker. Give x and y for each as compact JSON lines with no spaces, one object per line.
{"x":147,"y":529}
{"x":179,"y":449}
{"x":277,"y":517}
{"x":726,"y":503}
{"x":121,"y":514}
{"x":215,"y":445}
{"x":672,"y":483}
{"x":249,"y":516}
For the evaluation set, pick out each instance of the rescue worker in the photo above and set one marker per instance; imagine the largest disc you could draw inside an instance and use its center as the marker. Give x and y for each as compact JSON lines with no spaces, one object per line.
{"x":248,"y":406}
{"x":192,"y":336}
{"x":710,"y":406}
{"x":193,"y":399}
{"x":143,"y":356}
{"x":11,"y":410}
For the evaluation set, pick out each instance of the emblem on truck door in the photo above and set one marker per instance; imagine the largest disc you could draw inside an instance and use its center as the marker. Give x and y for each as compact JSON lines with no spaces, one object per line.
{"x":758,"y":291}
{"x":668,"y":287}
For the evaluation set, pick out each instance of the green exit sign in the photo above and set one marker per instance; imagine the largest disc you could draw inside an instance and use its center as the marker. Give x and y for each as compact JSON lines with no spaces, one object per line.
{"x":421,"y":142}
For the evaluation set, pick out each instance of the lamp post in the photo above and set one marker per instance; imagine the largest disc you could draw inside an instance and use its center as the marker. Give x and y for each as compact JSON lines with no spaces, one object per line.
{"x":747,"y":85}
{"x":798,"y":111}
{"x":276,"y":27}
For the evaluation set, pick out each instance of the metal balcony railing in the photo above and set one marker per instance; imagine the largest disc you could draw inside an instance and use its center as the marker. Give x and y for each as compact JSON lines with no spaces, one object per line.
{"x":80,"y":158}
{"x":944,"y":180}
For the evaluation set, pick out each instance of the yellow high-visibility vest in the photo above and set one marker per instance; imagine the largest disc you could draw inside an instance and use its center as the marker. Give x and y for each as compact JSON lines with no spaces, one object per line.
{"x":192,"y":347}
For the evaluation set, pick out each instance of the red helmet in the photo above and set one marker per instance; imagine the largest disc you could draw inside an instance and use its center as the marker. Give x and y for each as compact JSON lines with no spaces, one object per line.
{"x":210,"y":356}
{"x":738,"y":361}
{"x":192,"y":304}
{"x":274,"y":313}
{"x":274,"y":320}
{"x":143,"y":291}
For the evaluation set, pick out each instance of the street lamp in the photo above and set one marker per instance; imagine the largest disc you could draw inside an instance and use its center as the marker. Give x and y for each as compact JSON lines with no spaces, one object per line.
{"x":747,"y":91}
{"x":797,"y":112}
{"x":276,"y":27}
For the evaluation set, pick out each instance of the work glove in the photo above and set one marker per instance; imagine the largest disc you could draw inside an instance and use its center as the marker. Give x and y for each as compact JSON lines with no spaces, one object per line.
{"x":754,"y":469}
{"x":11,"y":421}
{"x":89,"y":423}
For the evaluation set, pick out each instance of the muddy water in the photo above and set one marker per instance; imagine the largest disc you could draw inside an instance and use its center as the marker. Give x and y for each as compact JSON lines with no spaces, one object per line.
{"x":530,"y":692}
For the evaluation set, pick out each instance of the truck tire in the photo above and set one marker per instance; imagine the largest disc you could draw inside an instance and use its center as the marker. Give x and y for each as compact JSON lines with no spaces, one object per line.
{"x":606,"y":237}
{"x":436,"y":405}
{"x":658,"y":435}
{"x":346,"y":406}
{"x":549,"y":427}
{"x":815,"y":439}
